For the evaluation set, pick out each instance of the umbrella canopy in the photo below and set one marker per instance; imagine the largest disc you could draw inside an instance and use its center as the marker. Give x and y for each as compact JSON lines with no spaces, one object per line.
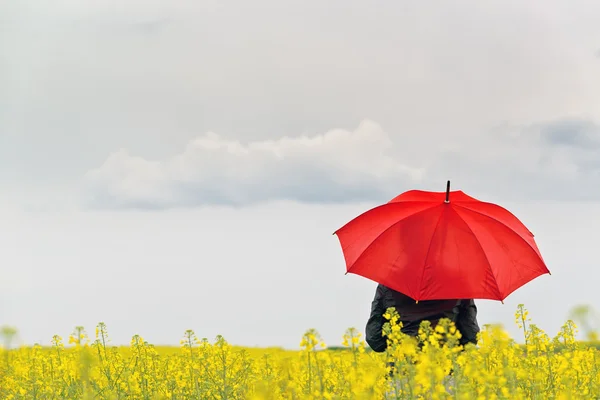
{"x":442,"y":245}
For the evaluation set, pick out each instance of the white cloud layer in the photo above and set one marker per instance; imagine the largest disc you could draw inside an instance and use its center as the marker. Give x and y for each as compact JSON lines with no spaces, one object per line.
{"x":336,"y":166}
{"x":554,"y":160}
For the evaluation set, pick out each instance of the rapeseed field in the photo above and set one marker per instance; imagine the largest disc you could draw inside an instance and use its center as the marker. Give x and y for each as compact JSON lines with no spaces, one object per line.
{"x":432,"y":366}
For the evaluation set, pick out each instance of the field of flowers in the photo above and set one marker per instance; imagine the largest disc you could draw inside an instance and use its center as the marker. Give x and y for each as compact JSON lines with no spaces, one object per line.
{"x":497,"y":368}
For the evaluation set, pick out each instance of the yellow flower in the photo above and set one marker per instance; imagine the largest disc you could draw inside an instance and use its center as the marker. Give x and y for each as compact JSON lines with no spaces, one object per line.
{"x":431,"y":366}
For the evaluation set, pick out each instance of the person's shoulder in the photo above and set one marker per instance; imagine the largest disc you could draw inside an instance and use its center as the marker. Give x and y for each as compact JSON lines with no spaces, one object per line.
{"x":392,"y":294}
{"x":383,"y":288}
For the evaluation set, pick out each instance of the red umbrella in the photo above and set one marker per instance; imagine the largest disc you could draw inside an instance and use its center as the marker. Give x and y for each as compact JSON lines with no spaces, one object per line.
{"x":442,"y":245}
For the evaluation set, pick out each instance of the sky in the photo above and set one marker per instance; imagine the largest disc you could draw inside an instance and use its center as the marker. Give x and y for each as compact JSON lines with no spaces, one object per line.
{"x":182,"y":165}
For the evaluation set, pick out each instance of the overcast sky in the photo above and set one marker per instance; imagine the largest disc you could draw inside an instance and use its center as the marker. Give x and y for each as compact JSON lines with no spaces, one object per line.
{"x":175,"y":165}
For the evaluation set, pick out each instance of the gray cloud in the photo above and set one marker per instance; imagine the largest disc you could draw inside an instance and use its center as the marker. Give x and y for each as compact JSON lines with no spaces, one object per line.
{"x":337,"y":166}
{"x":555,"y":160}
{"x":153,"y":25}
{"x":79,"y":81}
{"x":572,"y":132}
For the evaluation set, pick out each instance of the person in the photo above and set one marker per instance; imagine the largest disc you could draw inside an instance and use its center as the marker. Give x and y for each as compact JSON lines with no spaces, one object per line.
{"x":463,"y":312}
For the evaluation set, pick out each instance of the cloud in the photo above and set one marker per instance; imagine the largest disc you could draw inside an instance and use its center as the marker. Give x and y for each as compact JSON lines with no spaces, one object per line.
{"x":337,"y":166}
{"x":572,"y":132}
{"x":551,"y":160}
{"x":151,"y":26}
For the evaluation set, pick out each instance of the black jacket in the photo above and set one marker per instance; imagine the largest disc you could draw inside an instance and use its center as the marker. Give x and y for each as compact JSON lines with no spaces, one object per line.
{"x":412,"y":313}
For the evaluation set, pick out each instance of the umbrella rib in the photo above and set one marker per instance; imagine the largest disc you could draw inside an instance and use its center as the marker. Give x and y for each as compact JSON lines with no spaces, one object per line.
{"x":483,"y":251}
{"x":384,"y":231}
{"x":500,"y":222}
{"x":437,"y":224}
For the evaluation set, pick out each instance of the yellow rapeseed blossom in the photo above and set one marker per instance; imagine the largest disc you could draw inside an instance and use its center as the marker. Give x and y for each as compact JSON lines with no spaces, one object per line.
{"x":430,"y":366}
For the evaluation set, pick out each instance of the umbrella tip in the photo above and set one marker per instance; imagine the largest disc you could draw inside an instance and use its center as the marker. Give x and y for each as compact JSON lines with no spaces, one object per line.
{"x":447,"y":192}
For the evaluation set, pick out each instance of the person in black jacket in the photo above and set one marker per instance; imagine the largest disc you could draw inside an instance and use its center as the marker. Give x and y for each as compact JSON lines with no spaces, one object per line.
{"x":463,"y":312}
